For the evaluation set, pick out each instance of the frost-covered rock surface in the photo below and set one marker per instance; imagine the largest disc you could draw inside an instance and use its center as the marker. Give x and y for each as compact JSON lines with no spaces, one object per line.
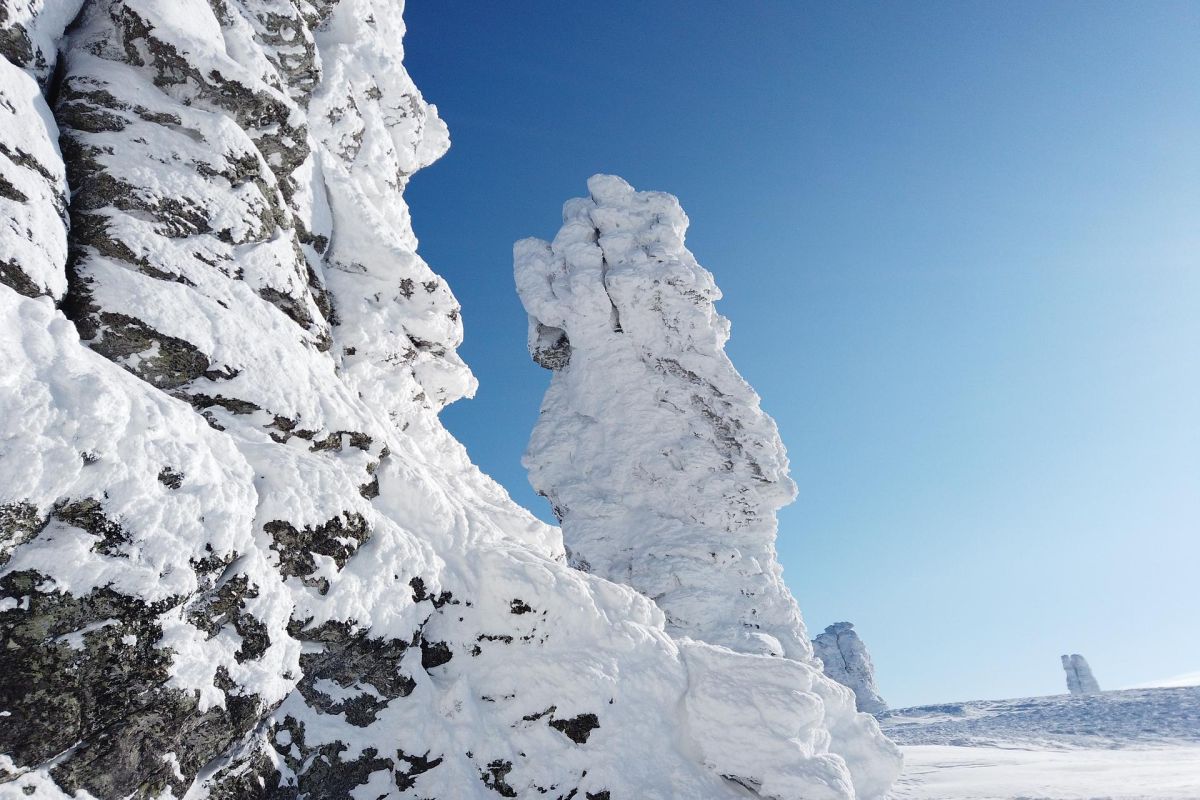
{"x":239,"y":555}
{"x":847,"y":661}
{"x":1080,"y":679}
{"x":666,"y":476}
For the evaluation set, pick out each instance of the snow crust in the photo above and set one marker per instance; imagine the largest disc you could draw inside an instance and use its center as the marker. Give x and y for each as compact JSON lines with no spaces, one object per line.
{"x":666,"y":475}
{"x":230,"y":519}
{"x":846,"y":660}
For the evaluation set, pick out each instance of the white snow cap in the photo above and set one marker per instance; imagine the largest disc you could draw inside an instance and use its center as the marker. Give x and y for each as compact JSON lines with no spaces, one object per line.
{"x":656,"y":457}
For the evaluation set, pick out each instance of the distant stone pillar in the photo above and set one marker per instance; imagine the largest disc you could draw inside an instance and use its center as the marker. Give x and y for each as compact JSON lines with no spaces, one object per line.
{"x":847,"y":661}
{"x":1079,"y":675}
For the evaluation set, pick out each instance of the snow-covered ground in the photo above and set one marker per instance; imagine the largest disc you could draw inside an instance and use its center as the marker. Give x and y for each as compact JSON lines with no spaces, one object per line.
{"x":1141,"y":743}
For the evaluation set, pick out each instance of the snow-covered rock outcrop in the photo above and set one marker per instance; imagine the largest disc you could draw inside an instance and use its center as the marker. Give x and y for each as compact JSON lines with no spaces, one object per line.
{"x":666,"y":476}
{"x":847,"y":661}
{"x":239,"y":555}
{"x":1080,"y":679}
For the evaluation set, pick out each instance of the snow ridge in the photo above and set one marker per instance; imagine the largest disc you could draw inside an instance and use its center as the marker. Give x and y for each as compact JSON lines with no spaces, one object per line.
{"x":666,"y":475}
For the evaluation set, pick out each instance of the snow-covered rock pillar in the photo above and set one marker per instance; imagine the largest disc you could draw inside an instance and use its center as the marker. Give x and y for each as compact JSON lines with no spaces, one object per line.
{"x":654,"y":452}
{"x":847,"y":661}
{"x":1079,"y":675}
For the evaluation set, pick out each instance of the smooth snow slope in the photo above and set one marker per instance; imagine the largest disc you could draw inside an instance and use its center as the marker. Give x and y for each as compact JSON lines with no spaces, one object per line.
{"x":1128,"y":744}
{"x":667,"y":475}
{"x":239,"y":555}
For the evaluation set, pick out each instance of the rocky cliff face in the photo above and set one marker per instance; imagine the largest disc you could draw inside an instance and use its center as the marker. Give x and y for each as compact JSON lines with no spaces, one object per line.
{"x":239,"y":555}
{"x":667,"y":475}
{"x":847,"y":661}
{"x":1079,"y":675}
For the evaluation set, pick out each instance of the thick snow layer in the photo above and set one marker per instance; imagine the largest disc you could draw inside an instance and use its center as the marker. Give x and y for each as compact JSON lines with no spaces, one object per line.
{"x":1119,"y":745}
{"x":239,"y":554}
{"x":667,"y":475}
{"x":846,"y":660}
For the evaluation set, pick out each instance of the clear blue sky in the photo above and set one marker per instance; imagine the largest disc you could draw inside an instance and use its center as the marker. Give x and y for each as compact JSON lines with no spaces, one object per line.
{"x":960,"y":248}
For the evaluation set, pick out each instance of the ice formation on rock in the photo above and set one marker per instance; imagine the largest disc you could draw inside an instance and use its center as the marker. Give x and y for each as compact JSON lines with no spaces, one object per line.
{"x":1079,"y":675}
{"x":239,"y":555}
{"x":666,"y":476}
{"x":847,"y":661}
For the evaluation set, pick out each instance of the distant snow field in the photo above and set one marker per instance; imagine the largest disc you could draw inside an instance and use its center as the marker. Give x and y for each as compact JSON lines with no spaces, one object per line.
{"x":1186,"y":679}
{"x":1126,"y":745}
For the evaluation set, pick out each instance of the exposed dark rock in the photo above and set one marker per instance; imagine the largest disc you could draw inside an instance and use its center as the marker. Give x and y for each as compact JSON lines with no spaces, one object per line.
{"x":230,"y":404}
{"x":518,"y":606}
{"x":87,"y":669}
{"x":337,"y":538}
{"x":163,"y":361}
{"x":253,"y":777}
{"x":494,"y":778}
{"x":417,"y":765}
{"x":14,"y":41}
{"x":170,"y":478}
{"x":551,"y":348}
{"x":434,"y":654}
{"x":370,"y":490}
{"x":351,"y":658}
{"x":320,"y":770}
{"x":88,"y":514}
{"x":227,"y":606}
{"x":420,"y":595}
{"x":19,"y":523}
{"x":577,"y":729}
{"x":13,"y":276}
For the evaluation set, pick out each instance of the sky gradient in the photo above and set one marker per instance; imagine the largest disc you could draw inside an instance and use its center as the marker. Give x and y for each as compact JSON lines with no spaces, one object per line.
{"x":960,"y":250}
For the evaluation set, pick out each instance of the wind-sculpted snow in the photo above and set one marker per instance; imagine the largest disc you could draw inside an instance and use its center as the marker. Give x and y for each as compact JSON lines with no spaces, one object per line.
{"x":239,"y":555}
{"x":846,"y":660}
{"x":666,"y":476}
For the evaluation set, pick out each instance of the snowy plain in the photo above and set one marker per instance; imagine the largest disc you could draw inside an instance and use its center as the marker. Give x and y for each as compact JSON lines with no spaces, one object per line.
{"x":1141,"y":744}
